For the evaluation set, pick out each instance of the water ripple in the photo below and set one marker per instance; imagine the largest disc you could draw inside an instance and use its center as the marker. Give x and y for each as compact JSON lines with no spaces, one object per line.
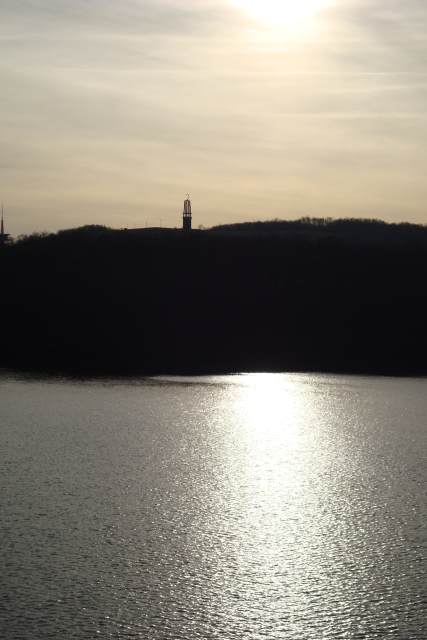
{"x":262,"y":506}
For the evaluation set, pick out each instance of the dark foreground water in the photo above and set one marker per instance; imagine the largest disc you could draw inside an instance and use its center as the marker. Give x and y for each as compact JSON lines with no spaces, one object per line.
{"x":253,"y":506}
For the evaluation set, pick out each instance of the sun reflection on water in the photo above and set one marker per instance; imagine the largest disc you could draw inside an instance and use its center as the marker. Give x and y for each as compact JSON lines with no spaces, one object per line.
{"x":269,"y":402}
{"x":268,"y":411}
{"x":278,"y":531}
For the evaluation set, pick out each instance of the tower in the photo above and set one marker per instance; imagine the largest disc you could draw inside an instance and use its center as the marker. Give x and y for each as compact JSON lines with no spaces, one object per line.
{"x":186,"y":214}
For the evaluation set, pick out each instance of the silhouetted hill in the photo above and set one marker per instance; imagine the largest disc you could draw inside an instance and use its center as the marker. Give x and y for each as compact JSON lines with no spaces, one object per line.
{"x":96,"y":300}
{"x":349,"y":229}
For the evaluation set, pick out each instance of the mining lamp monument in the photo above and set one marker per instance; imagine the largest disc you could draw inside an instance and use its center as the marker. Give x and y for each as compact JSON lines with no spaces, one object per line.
{"x":186,"y":214}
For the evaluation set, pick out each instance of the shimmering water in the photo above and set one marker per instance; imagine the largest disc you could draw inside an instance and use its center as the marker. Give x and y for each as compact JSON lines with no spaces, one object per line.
{"x":252,"y":506}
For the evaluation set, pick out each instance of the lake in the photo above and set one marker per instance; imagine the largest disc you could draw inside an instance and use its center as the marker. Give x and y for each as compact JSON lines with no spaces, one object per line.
{"x":247,"y":506}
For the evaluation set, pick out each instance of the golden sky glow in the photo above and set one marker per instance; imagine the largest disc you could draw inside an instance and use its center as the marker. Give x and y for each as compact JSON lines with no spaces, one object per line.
{"x":112,"y":112}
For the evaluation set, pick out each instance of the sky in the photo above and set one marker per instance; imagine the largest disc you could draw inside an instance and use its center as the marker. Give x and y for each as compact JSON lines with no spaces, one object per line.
{"x":111,"y":112}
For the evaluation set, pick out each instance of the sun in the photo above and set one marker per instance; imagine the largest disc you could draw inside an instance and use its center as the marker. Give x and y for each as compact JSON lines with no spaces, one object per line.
{"x":283,"y":12}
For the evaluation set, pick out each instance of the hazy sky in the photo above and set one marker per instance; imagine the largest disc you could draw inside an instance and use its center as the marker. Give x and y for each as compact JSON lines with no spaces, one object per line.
{"x":111,"y":111}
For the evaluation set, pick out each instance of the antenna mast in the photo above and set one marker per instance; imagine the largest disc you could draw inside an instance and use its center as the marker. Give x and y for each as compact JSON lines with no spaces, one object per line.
{"x":4,"y":237}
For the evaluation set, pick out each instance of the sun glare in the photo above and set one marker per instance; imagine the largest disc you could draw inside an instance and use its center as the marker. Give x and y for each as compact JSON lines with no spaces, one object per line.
{"x":283,"y":12}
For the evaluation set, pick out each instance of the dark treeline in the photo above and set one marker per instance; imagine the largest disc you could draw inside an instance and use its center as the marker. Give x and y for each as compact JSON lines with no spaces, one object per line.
{"x":349,"y":229}
{"x":95,"y":301}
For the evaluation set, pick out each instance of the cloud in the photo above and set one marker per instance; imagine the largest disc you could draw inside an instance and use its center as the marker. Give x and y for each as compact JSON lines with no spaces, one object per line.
{"x":137,"y":17}
{"x":380,"y":36}
{"x":112,"y":112}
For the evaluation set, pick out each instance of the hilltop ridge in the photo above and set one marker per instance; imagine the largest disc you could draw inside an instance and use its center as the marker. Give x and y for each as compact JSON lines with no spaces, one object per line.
{"x":360,"y":230}
{"x":94,"y":300}
{"x":356,"y":230}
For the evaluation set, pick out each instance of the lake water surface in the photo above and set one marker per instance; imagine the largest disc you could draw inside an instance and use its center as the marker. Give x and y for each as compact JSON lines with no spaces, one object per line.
{"x":248,"y":506}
